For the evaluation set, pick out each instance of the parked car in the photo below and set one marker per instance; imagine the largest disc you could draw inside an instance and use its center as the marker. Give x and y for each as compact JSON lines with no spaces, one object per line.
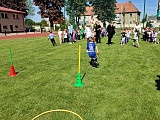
{"x":30,"y":29}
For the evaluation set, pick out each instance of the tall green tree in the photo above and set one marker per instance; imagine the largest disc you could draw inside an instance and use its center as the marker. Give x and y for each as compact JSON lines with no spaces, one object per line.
{"x":29,"y":22}
{"x":51,"y":9}
{"x":19,"y":5}
{"x":75,"y":8}
{"x":144,"y":19}
{"x":30,"y":8}
{"x":104,"y":9}
{"x":44,"y":23}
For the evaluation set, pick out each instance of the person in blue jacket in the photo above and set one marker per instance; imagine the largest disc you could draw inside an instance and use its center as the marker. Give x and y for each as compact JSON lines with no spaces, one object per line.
{"x":92,"y":50}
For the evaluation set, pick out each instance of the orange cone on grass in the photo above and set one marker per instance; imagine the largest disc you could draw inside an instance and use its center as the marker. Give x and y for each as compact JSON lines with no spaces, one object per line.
{"x":12,"y":70}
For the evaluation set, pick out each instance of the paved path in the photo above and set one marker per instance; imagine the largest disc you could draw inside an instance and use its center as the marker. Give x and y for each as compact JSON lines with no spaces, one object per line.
{"x":23,"y":35}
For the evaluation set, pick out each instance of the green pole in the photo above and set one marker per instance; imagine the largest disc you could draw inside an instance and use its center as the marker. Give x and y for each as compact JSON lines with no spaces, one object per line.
{"x":10,"y":56}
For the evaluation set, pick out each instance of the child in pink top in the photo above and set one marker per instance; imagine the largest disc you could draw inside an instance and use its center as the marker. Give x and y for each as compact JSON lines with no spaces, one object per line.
{"x":60,"y":32}
{"x":74,"y":36}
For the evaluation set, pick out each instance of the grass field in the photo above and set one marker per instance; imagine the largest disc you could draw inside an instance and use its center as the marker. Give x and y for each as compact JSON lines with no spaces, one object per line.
{"x":122,"y":88}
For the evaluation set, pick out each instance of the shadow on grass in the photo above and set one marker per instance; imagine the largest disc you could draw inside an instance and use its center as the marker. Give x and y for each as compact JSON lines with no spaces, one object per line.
{"x":20,"y":70}
{"x":111,"y":43}
{"x":158,"y":82}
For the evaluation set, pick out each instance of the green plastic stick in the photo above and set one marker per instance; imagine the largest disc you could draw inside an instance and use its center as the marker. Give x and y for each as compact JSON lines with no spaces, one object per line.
{"x":10,"y":56}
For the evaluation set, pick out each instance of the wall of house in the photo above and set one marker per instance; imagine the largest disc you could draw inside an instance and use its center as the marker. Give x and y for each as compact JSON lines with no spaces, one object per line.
{"x":11,"y":22}
{"x":126,"y":20}
{"x":130,"y":19}
{"x":89,"y":19}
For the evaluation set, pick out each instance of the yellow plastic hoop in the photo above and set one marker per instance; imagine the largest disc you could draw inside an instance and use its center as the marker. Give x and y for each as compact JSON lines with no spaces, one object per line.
{"x":58,"y":110}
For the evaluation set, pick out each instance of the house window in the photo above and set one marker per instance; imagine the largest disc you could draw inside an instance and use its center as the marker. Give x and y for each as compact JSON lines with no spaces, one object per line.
{"x":5,"y":27}
{"x":15,"y":16}
{"x":131,"y":15}
{"x":16,"y":26}
{"x":130,"y":22}
{"x":6,"y":16}
{"x":2,"y":14}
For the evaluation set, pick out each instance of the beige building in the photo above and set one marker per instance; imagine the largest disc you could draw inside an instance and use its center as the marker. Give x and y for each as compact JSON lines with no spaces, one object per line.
{"x":89,"y":17}
{"x":126,"y":15}
{"x":11,"y":20}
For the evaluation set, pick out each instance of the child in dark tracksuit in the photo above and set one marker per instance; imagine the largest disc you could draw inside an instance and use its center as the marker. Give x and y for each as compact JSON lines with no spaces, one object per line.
{"x":51,"y":37}
{"x":92,"y":50}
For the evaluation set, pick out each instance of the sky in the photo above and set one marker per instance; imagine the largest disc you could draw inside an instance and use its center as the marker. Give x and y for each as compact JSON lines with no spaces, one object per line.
{"x":151,"y":8}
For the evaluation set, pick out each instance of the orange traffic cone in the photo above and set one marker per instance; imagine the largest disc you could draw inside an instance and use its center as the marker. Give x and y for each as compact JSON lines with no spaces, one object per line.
{"x":12,"y":71}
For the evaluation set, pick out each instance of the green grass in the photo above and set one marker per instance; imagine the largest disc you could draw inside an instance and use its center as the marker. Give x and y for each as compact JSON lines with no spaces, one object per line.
{"x":123,"y":88}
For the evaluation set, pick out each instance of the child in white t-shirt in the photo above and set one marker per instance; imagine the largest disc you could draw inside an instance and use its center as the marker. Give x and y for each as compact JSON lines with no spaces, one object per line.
{"x":154,"y":36}
{"x":60,"y":35}
{"x":135,"y":39}
{"x":88,"y":32}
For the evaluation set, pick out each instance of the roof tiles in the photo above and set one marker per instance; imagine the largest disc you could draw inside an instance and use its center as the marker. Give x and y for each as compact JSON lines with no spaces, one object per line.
{"x":127,"y":7}
{"x":3,"y":9}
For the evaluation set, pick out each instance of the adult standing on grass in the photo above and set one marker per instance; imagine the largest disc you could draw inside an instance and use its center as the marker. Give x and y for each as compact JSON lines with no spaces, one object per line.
{"x":137,"y":27}
{"x":70,"y":28}
{"x":51,"y":37}
{"x":88,"y":32}
{"x":110,"y":32}
{"x":98,"y":32}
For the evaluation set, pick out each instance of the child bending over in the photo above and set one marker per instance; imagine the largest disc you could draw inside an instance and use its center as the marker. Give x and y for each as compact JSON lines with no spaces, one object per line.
{"x":92,"y":50}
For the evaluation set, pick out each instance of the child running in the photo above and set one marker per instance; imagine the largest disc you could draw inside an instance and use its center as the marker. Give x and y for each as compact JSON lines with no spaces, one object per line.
{"x":154,"y":36}
{"x":51,"y":38}
{"x":123,"y":37}
{"x":135,"y":39}
{"x":92,"y":50}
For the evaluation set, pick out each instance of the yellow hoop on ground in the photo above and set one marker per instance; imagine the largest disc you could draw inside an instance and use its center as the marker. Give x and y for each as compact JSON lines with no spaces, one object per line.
{"x":58,"y":110}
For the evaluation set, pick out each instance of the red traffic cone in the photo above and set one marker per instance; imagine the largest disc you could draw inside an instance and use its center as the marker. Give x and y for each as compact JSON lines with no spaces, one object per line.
{"x":12,"y":71}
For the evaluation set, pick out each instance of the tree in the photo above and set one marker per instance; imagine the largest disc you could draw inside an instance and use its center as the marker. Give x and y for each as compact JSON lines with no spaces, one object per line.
{"x":104,"y":9}
{"x":44,"y":23}
{"x":51,"y":9}
{"x":144,"y":19}
{"x":29,"y":22}
{"x":30,"y":8}
{"x":75,"y":8}
{"x":19,"y":5}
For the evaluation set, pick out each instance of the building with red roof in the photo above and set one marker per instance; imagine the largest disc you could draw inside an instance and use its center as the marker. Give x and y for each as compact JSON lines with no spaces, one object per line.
{"x":126,"y":15}
{"x":11,"y":20}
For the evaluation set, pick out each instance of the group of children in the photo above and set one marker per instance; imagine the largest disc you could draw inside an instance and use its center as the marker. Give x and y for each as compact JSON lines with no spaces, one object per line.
{"x":150,"y":35}
{"x":126,"y":35}
{"x":65,"y":36}
{"x":92,"y":49}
